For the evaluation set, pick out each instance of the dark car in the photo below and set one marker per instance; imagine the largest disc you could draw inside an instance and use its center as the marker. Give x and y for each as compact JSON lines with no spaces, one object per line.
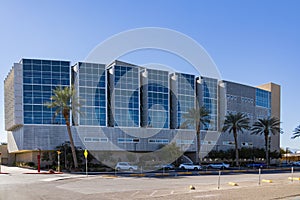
{"x":256,"y":165}
{"x":165,"y":166}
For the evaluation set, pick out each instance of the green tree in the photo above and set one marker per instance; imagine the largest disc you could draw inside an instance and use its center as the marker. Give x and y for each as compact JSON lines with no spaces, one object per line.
{"x":296,"y":132}
{"x":235,"y":123}
{"x":168,"y":153}
{"x":266,"y":126}
{"x":196,"y":117}
{"x":64,"y":100}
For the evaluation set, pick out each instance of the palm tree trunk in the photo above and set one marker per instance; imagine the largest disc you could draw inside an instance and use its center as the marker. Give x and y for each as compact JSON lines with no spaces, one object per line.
{"x":266,"y":147}
{"x":198,"y":156}
{"x":66,"y":116}
{"x":236,"y":148}
{"x":72,"y":146}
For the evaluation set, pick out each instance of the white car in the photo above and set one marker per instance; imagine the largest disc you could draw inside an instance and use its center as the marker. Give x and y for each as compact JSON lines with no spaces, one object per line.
{"x":297,"y":163}
{"x":218,"y":166}
{"x":189,"y":166}
{"x":125,"y":166}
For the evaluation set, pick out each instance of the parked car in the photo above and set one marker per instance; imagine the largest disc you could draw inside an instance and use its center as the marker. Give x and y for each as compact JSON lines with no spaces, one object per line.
{"x":125,"y":166}
{"x":165,"y":166}
{"x":286,"y":164}
{"x":189,"y":166}
{"x":218,"y":166}
{"x":297,"y":163}
{"x":256,"y":165}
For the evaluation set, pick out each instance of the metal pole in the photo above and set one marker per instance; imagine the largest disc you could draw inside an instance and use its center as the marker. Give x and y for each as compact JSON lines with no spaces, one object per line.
{"x":286,"y":151}
{"x":58,"y":162}
{"x":292,"y":174}
{"x":219,"y":179}
{"x":0,"y":161}
{"x":86,"y":167}
{"x":39,"y":161}
{"x":65,"y":155}
{"x":259,"y":172}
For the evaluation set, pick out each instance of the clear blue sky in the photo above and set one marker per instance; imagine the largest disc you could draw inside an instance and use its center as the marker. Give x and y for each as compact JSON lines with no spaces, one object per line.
{"x":252,"y":42}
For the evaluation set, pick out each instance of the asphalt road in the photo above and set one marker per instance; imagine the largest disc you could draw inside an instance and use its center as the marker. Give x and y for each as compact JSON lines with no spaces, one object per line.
{"x":18,"y":185}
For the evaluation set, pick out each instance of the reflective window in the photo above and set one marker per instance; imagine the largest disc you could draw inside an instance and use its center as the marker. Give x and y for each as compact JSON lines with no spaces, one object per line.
{"x":210,"y":101}
{"x":126,"y":96}
{"x":185,"y":95}
{"x":92,"y":92}
{"x":158,"y":141}
{"x":38,"y":85}
{"x":263,"y":98}
{"x":158,"y":98}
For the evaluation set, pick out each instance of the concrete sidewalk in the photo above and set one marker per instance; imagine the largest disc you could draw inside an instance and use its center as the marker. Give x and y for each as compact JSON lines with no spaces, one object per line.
{"x":20,"y":170}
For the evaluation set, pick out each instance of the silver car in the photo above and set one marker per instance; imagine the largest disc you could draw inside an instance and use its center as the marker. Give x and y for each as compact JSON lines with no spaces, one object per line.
{"x":125,"y":166}
{"x":218,"y":166}
{"x":189,"y":166}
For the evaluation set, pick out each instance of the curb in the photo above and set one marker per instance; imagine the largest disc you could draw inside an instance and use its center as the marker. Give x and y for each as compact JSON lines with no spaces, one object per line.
{"x":266,"y":181}
{"x":43,"y":173}
{"x":294,"y":178}
{"x":232,"y":184}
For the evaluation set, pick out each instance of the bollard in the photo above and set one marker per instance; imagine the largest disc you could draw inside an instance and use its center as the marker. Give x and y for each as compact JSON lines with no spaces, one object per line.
{"x":259,"y":172}
{"x":219,"y":179}
{"x":292,"y":174}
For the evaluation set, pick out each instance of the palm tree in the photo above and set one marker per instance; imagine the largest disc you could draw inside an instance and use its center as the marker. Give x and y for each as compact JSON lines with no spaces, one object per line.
{"x":64,"y":100}
{"x":296,"y":132}
{"x":196,"y":117}
{"x":266,"y":126}
{"x":235,"y":123}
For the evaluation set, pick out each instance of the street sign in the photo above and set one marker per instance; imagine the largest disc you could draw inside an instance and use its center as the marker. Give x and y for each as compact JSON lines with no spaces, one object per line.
{"x":85,"y":153}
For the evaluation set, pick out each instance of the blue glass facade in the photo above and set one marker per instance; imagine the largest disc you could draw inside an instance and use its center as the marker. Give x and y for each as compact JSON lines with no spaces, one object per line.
{"x":40,"y":77}
{"x":263,"y":98}
{"x":92,"y":92}
{"x":158,"y":98}
{"x":185,"y":95}
{"x":150,"y":103}
{"x":210,"y":101}
{"x":126,"y":96}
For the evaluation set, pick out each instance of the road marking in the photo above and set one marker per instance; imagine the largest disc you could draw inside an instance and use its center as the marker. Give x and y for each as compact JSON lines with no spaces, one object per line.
{"x":153,"y":193}
{"x":135,"y":193}
{"x":172,"y":192}
{"x":206,"y":196}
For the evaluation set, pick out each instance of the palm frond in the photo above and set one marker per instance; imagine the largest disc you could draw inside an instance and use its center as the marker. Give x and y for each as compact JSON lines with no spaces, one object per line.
{"x":296,"y":132}
{"x":269,"y":125}
{"x":195,"y":117}
{"x":238,"y":122}
{"x":64,"y":100}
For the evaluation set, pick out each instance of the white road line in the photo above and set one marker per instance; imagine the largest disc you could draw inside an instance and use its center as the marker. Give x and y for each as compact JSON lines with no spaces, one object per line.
{"x":206,"y":196}
{"x":153,"y":193}
{"x":135,"y":193}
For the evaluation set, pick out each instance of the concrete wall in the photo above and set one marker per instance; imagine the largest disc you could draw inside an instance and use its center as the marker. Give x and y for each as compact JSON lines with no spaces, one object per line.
{"x":241,"y":98}
{"x":13,"y":101}
{"x":44,"y":137}
{"x":275,"y":107}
